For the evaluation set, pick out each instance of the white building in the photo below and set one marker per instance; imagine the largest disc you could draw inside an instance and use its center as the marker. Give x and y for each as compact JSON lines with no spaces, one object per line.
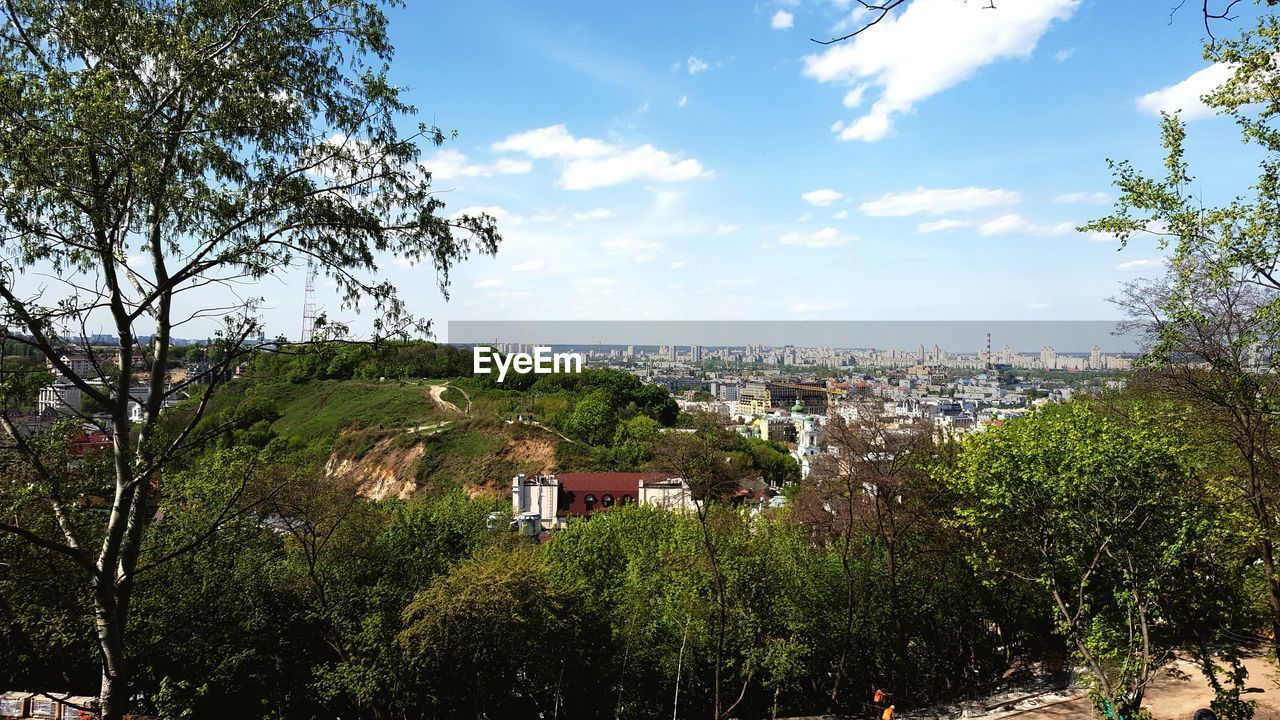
{"x":60,"y":397}
{"x":549,"y":500}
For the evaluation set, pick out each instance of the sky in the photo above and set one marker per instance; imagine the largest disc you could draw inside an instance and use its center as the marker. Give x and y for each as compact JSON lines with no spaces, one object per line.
{"x":707,"y":161}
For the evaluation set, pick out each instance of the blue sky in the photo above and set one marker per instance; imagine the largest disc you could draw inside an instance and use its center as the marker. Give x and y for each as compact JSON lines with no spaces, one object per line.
{"x":706,"y":161}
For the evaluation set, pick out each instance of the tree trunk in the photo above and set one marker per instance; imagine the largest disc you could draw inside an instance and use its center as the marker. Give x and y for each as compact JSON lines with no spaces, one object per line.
{"x":113,"y":696}
{"x":1267,"y":549}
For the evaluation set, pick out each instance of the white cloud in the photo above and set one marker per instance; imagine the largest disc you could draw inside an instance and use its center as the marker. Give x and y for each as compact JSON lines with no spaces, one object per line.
{"x":449,"y":164}
{"x":490,"y":283}
{"x":1142,"y":264}
{"x":782,"y":20}
{"x":1095,"y":198}
{"x":1185,"y":96}
{"x":725,"y":229}
{"x":664,"y":199}
{"x":941,"y":226}
{"x":677,"y":265}
{"x":1037,"y":306}
{"x":735,"y":282}
{"x":636,"y":250}
{"x":1065,"y":54}
{"x":597,"y":214}
{"x":1013,"y":224}
{"x":684,"y":100}
{"x":643,"y":163}
{"x":929,"y":47}
{"x":824,"y":238}
{"x":936,"y":201}
{"x":530,"y":266}
{"x":821,"y":198}
{"x":696,"y":65}
{"x":840,"y":215}
{"x":592,"y":163}
{"x":851,"y":100}
{"x":554,"y":141}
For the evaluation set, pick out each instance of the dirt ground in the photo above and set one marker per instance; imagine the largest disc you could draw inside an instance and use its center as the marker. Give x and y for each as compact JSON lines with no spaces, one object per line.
{"x":1169,"y":698}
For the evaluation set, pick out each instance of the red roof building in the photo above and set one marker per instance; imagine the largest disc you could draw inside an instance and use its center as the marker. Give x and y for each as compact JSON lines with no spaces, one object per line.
{"x":556,"y":498}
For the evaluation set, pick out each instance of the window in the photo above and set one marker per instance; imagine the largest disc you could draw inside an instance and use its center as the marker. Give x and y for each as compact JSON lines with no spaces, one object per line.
{"x":10,"y":707}
{"x":590,"y":501}
{"x":42,"y":708}
{"x":625,"y":500}
{"x":607,"y":501}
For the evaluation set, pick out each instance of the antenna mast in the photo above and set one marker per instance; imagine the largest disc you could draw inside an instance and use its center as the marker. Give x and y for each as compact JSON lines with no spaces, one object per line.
{"x":309,"y":306}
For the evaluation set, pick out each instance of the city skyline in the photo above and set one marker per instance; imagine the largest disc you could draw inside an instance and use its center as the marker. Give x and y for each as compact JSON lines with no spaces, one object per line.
{"x":960,"y":336}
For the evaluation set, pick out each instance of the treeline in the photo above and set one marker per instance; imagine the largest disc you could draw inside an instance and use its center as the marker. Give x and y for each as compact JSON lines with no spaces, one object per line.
{"x":1085,"y":533}
{"x":365,"y":361}
{"x":324,"y":605}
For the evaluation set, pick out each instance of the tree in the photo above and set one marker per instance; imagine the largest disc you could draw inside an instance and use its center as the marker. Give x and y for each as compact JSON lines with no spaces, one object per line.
{"x":1206,"y":353}
{"x":1098,"y":516}
{"x":857,"y":492}
{"x":500,"y":637}
{"x":1213,"y":322}
{"x":593,"y":419}
{"x":713,"y":475}
{"x":153,"y":154}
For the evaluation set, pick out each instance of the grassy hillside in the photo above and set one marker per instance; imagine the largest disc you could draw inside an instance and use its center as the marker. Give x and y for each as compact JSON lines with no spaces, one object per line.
{"x":325,"y":408}
{"x":391,"y":437}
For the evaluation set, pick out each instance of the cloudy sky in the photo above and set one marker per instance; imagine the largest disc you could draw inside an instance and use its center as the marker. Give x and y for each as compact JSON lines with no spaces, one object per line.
{"x":674,"y":160}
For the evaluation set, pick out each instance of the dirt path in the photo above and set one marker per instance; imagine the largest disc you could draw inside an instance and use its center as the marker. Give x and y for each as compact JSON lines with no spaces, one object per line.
{"x":434,"y":427}
{"x":1171,"y":696}
{"x":437,"y":396}
{"x":552,"y":430}
{"x":467,"y":395}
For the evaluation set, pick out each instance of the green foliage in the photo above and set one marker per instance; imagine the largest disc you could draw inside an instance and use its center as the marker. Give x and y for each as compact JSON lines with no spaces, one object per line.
{"x":1097,"y":515}
{"x":593,"y":420}
{"x":510,"y":637}
{"x":353,"y":361}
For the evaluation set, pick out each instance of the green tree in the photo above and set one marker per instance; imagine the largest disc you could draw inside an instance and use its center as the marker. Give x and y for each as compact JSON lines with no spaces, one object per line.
{"x":1213,"y":322}
{"x":713,"y":472}
{"x":218,"y":142}
{"x":500,"y":637}
{"x":1098,"y":516}
{"x":593,"y":419}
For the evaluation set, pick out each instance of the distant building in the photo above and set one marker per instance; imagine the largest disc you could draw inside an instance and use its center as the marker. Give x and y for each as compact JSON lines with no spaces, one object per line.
{"x":556,"y":498}
{"x":60,"y":397}
{"x":725,"y":390}
{"x":1048,"y":358}
{"x":758,"y":398}
{"x":81,"y":365}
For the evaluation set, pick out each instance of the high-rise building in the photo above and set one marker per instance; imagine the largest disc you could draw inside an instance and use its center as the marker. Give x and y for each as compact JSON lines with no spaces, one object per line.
{"x":1048,"y":358}
{"x":695,"y":353}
